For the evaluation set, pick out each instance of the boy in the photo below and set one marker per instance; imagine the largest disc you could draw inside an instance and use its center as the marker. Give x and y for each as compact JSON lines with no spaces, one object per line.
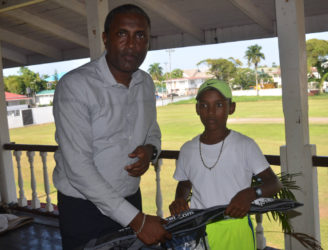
{"x":218,"y":166}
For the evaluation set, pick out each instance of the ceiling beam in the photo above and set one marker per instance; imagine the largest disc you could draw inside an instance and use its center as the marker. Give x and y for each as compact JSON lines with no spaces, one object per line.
{"x":73,"y":5}
{"x":174,"y":17}
{"x":255,"y":13}
{"x":49,"y":27}
{"x":14,"y":56}
{"x":29,"y":44}
{"x":6,"y":5}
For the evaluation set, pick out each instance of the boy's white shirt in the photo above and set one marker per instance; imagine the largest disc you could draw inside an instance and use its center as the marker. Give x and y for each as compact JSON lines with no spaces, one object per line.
{"x":240,"y":159}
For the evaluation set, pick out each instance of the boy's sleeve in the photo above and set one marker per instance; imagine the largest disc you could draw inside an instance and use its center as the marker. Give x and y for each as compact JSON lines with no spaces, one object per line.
{"x":180,"y":170}
{"x":256,"y":161}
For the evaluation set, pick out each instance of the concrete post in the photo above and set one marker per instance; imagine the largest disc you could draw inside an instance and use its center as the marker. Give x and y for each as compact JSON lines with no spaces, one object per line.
{"x":97,"y":11}
{"x":296,"y":156}
{"x":7,"y":179}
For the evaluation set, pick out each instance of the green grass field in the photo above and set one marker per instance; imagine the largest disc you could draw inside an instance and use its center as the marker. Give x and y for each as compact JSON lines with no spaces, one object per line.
{"x":180,"y":123}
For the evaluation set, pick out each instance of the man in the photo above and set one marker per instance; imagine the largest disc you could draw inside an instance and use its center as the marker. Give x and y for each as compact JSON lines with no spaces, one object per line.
{"x":107,"y":133}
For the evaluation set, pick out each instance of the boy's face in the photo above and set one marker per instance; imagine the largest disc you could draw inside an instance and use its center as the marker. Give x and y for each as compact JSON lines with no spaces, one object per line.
{"x":213,"y":109}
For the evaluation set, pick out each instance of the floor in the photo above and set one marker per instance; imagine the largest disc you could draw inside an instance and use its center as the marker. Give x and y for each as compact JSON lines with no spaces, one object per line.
{"x":33,"y":236}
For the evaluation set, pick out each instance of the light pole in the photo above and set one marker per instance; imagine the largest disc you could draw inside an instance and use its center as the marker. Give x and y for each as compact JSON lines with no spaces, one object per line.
{"x":170,"y":51}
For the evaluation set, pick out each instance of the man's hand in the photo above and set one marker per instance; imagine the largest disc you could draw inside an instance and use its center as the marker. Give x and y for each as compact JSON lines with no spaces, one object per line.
{"x":240,"y":203}
{"x":143,"y":153}
{"x":178,"y":206}
{"x":153,"y":231}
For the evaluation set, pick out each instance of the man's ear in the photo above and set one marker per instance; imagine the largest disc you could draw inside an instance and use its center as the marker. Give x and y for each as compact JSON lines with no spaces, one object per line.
{"x":104,"y":38}
{"x":232,"y":108}
{"x":197,"y":108}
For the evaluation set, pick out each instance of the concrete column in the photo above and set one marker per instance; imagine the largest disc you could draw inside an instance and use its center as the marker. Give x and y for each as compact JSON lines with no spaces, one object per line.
{"x":97,"y":11}
{"x":297,"y":154}
{"x":7,"y":180}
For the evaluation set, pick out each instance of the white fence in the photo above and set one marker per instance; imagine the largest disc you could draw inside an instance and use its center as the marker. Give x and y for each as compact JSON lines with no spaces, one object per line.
{"x":262,"y":92}
{"x":44,"y":114}
{"x":39,"y":116}
{"x":164,"y":102}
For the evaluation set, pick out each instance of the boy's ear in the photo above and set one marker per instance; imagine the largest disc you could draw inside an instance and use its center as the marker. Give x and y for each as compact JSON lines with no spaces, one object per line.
{"x":232,"y":108}
{"x":197,"y":108}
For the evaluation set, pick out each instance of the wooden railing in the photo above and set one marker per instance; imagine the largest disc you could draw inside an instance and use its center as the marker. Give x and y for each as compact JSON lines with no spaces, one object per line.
{"x":318,"y":161}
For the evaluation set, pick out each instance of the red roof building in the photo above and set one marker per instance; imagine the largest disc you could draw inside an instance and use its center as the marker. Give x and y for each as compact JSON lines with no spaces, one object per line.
{"x":15,"y":97}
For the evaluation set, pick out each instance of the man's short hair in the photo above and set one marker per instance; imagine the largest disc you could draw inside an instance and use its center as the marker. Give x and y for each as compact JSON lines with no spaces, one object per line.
{"x":126,"y":8}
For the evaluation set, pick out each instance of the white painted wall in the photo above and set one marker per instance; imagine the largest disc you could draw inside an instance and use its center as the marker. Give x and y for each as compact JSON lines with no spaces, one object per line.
{"x":15,"y":121}
{"x":17,"y":107}
{"x":42,"y":115}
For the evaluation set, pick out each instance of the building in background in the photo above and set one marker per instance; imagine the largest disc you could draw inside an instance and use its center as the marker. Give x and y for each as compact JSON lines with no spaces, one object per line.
{"x":16,"y":102}
{"x":275,"y":73}
{"x":188,"y":84}
{"x":45,"y":97}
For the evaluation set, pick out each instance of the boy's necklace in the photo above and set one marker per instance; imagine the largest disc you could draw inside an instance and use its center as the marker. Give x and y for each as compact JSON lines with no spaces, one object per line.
{"x":217,"y":160}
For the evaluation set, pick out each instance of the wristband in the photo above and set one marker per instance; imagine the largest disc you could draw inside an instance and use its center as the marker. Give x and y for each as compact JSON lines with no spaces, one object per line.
{"x":155,"y":152}
{"x":258,"y":192}
{"x":142,"y":224}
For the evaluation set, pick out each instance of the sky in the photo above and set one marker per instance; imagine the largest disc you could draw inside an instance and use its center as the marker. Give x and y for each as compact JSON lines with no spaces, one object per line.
{"x":183,"y":58}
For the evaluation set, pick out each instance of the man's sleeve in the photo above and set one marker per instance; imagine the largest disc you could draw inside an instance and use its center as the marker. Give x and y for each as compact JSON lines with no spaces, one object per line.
{"x":74,"y":135}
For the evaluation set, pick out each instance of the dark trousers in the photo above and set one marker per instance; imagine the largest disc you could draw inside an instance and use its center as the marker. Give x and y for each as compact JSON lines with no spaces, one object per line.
{"x":80,"y":220}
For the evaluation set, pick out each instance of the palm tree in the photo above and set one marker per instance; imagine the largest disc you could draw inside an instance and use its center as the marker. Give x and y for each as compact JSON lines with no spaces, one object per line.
{"x":156,"y":71}
{"x":254,"y":56}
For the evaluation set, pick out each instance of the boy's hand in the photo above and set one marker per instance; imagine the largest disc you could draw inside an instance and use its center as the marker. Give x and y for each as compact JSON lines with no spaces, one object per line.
{"x":153,"y":231}
{"x":178,"y":206}
{"x":240,"y":203}
{"x":144,"y":154}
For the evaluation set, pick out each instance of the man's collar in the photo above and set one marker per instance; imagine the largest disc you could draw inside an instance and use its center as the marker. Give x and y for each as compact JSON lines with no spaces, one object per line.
{"x":108,"y":78}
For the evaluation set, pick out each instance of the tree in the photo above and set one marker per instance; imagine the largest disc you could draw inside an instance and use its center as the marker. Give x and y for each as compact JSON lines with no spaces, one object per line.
{"x":55,"y":81}
{"x":317,"y":56}
{"x":265,"y":78}
{"x":26,"y":79}
{"x":254,"y":56}
{"x":156,"y":71}
{"x":176,"y":73}
{"x":244,"y":78}
{"x":14,"y":84}
{"x":222,"y":69}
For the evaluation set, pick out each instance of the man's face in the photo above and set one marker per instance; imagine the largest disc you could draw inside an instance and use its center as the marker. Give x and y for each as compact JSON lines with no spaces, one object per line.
{"x":213,"y":110}
{"x":127,"y":43}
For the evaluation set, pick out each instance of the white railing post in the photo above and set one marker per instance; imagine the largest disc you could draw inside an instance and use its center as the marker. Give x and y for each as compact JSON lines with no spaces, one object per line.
{"x":49,"y":206}
{"x":260,"y":239}
{"x":159,"y":203}
{"x":35,"y":200}
{"x":22,"y":202}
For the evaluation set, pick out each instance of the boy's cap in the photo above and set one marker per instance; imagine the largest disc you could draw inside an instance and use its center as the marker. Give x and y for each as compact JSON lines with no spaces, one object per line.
{"x":221,"y":86}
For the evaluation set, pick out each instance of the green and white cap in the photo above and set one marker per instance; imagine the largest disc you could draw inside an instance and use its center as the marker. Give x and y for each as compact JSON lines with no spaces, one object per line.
{"x":220,"y":86}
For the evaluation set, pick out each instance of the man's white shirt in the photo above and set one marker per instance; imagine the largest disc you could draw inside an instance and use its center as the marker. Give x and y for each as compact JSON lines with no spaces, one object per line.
{"x":98,"y":123}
